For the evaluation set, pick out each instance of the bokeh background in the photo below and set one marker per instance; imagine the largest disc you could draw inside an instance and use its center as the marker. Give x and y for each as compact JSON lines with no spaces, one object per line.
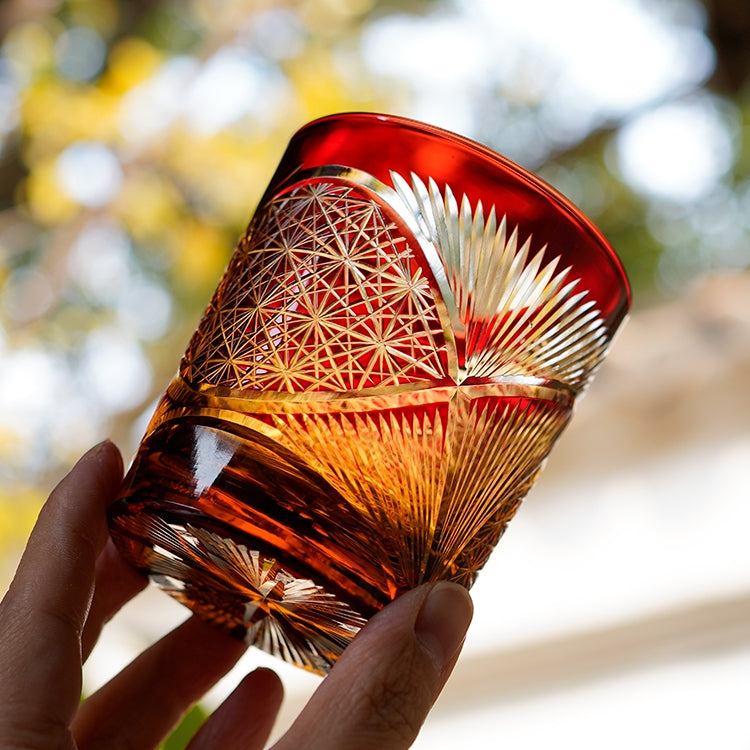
{"x":135,"y":140}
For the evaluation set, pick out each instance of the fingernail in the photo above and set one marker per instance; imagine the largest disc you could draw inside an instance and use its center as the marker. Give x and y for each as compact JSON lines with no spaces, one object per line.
{"x":99,"y":447}
{"x":105,"y":446}
{"x":443,"y":620}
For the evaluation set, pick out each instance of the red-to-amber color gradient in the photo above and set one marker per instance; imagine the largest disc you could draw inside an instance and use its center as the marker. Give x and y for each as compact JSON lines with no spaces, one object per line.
{"x":394,"y":348}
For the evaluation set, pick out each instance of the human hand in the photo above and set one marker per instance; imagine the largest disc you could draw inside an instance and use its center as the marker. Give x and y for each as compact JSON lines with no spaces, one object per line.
{"x":71,"y":581}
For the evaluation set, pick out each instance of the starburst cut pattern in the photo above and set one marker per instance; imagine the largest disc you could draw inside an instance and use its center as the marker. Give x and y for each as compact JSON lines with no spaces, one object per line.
{"x":233,"y":586}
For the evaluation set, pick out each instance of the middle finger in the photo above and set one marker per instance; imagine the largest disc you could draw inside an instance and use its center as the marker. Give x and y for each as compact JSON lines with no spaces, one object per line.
{"x":141,"y":705}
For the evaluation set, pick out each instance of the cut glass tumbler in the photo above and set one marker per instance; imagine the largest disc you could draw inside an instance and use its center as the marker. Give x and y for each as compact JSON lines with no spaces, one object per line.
{"x":395,"y":346}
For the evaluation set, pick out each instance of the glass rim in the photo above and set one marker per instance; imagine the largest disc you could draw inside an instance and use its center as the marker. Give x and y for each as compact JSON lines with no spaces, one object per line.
{"x":486,"y":154}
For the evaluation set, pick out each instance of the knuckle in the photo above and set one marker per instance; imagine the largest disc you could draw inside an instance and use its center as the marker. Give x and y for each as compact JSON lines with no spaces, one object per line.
{"x":398,"y":701}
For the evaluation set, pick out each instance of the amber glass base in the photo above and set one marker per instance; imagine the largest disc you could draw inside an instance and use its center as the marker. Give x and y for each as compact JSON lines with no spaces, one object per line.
{"x":359,"y":503}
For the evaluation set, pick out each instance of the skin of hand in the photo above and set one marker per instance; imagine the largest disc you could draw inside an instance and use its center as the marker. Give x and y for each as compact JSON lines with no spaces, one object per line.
{"x":71,"y":581}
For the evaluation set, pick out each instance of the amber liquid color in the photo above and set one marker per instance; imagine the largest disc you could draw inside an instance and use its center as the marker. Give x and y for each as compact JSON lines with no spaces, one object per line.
{"x":372,"y":390}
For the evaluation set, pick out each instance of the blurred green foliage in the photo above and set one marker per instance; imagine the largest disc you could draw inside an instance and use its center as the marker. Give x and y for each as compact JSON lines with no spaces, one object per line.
{"x":190,"y":724}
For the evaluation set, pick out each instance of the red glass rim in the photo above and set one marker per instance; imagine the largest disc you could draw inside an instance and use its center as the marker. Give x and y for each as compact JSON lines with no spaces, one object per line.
{"x":379,"y":144}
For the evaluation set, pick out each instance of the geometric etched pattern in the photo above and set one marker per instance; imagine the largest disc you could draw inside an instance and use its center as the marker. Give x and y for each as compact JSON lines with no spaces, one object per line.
{"x":323,"y":294}
{"x":327,"y":293}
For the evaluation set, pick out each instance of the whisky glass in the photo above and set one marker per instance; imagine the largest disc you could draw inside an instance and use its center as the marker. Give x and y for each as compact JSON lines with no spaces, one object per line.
{"x":395,"y":346}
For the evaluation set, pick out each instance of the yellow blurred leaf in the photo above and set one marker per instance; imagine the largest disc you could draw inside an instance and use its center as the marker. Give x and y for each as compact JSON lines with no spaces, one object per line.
{"x":227,"y":171}
{"x":200,"y":253}
{"x":102,"y":15}
{"x":30,"y":46}
{"x":320,"y":87}
{"x":45,"y":197}
{"x":56,"y":114}
{"x":149,"y":205}
{"x":332,"y":16}
{"x":18,"y":512}
{"x":131,"y":61}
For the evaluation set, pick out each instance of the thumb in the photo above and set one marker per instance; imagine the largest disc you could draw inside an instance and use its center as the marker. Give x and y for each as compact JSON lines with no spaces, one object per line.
{"x":380,"y":691}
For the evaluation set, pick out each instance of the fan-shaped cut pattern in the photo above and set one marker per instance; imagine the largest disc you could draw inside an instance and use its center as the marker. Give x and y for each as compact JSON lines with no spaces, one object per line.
{"x":430,"y":482}
{"x":513,"y":313}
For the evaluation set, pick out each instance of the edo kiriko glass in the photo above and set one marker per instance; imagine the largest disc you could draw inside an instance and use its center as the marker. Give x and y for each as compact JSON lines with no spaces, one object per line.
{"x":395,"y":346}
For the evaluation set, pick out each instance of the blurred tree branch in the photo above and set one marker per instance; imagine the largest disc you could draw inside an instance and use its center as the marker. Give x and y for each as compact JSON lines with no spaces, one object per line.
{"x":728,"y":29}
{"x":13,"y":12}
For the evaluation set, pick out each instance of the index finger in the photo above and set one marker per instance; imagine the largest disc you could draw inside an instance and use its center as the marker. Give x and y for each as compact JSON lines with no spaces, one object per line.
{"x":43,"y":614}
